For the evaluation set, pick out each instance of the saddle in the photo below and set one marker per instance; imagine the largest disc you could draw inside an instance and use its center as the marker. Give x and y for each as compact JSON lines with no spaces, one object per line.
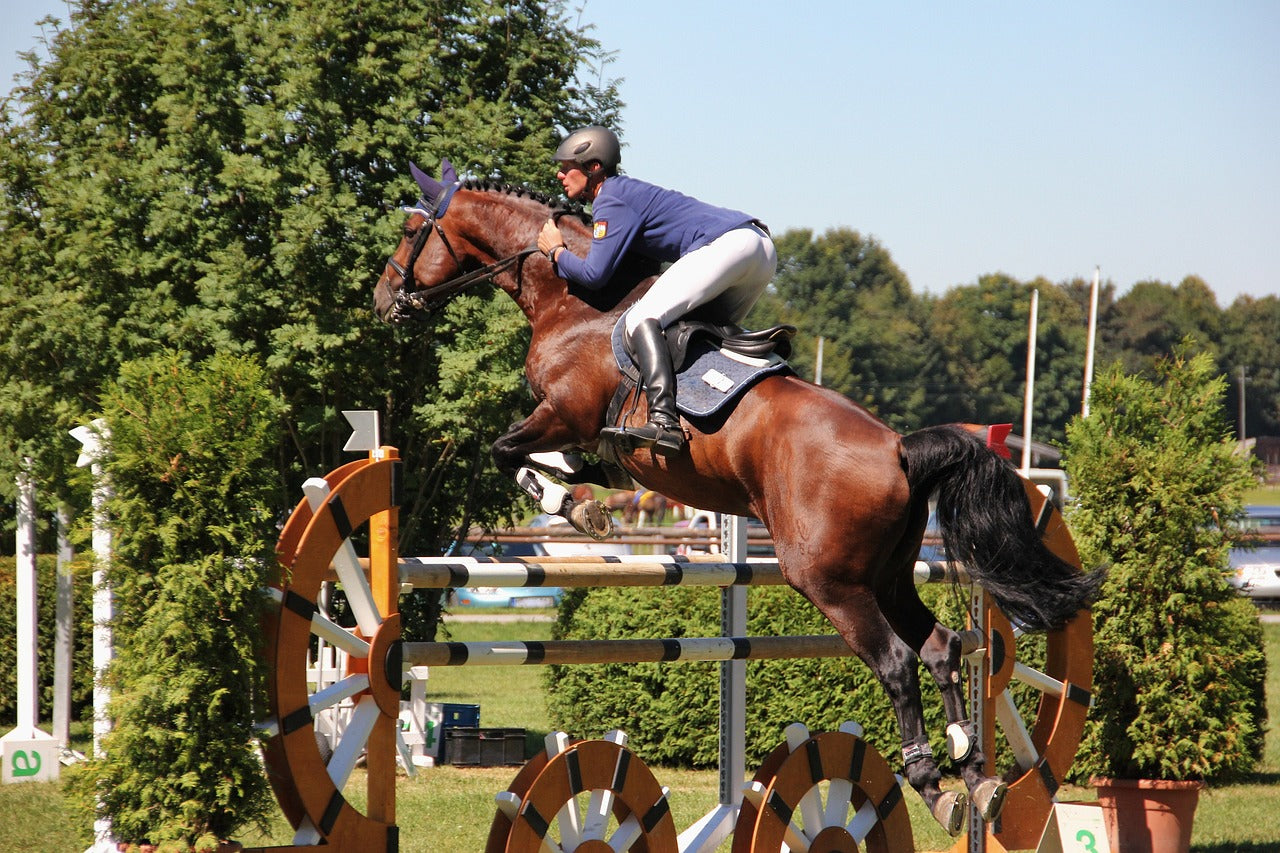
{"x":715,"y":363}
{"x":774,"y":341}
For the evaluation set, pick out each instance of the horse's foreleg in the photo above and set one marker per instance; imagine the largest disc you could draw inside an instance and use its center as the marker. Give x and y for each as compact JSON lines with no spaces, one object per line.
{"x":538,"y":440}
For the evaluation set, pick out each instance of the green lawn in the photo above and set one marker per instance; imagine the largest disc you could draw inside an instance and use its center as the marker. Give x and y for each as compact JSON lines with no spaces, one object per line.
{"x":447,"y":809}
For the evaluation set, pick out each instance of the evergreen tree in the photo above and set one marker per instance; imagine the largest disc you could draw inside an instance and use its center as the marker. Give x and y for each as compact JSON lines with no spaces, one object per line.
{"x":1178,"y":656}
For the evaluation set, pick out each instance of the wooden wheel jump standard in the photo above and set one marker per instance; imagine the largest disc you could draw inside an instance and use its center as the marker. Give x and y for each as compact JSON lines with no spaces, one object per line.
{"x":1043,"y":749}
{"x":309,"y":788}
{"x":826,"y":793}
{"x":592,"y":796}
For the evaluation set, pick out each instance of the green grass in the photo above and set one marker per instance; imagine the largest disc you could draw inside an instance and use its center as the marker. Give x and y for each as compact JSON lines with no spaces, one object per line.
{"x":1263,"y":495}
{"x":449,"y":808}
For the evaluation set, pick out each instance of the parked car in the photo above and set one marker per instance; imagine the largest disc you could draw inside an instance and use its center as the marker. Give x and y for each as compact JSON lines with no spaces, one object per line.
{"x":504,"y":596}
{"x":1256,"y":570}
{"x":513,"y":596}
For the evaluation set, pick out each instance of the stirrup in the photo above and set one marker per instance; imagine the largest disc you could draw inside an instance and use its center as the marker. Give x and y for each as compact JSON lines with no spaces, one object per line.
{"x":665,"y":442}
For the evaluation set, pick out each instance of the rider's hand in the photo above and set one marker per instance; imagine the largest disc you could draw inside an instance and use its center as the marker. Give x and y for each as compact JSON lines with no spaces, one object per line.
{"x":549,"y":238}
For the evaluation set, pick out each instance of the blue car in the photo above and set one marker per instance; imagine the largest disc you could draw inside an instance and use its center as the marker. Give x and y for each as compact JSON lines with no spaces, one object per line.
{"x":512,"y":596}
{"x":505,"y":596}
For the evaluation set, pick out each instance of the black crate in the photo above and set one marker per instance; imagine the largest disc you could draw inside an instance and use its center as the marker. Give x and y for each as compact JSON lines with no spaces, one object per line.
{"x":475,"y":747}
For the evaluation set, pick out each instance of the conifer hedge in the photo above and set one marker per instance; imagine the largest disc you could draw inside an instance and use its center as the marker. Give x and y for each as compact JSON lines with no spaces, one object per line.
{"x":670,"y":711}
{"x":194,"y":515}
{"x":1179,"y":668}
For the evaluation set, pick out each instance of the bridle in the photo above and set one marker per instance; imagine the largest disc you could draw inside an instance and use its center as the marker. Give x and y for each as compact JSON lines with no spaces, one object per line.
{"x":409,"y":301}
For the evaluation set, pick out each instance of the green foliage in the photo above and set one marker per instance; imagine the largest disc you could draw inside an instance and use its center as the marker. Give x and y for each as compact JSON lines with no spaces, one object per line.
{"x":670,"y":711}
{"x":846,"y":289}
{"x":209,"y":177}
{"x":983,"y":335}
{"x":194,"y":497}
{"x":46,"y":602}
{"x":1178,"y":661}
{"x":1251,"y":344}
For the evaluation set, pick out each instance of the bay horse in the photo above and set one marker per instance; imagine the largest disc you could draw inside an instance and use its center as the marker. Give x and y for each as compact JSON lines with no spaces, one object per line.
{"x":845,"y":497}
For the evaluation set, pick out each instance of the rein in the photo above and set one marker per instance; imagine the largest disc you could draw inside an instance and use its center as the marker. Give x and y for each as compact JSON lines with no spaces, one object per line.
{"x":410,"y":300}
{"x":420,"y":300}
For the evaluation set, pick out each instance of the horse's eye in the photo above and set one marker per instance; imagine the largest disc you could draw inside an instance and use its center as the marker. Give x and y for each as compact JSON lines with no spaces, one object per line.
{"x":410,"y":232}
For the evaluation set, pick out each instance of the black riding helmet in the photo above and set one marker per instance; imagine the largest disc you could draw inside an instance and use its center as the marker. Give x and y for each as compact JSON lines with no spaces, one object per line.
{"x":591,"y":143}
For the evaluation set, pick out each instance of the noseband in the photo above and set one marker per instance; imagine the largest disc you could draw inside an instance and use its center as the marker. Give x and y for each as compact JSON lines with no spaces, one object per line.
{"x":409,"y":300}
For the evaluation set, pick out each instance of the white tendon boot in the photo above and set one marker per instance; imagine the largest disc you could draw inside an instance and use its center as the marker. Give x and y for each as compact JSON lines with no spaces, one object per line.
{"x":590,"y":517}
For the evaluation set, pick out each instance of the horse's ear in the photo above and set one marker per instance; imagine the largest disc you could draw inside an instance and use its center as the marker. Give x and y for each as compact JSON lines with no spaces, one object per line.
{"x":448,"y":174}
{"x":431,"y":188}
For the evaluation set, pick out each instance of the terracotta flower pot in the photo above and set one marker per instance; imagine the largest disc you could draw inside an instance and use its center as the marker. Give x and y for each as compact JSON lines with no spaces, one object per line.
{"x":1148,"y":815}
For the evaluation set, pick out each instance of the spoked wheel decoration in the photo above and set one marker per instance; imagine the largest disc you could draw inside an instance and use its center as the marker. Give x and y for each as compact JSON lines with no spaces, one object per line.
{"x":826,"y":793}
{"x":1043,"y":749}
{"x":591,"y":796}
{"x":317,"y":535}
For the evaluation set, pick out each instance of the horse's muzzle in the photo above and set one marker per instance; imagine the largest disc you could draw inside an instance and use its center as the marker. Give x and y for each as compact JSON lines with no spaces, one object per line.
{"x":409,"y":306}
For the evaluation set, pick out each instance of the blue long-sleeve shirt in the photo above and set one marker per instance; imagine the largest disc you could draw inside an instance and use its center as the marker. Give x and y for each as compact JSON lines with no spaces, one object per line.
{"x":631,"y":215}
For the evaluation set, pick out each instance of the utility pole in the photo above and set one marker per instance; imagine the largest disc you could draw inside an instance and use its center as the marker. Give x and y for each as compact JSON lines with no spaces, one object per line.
{"x":1243,"y":378}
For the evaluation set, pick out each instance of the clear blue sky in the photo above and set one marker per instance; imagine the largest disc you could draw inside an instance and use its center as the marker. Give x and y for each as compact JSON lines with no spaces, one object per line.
{"x":1028,"y":138}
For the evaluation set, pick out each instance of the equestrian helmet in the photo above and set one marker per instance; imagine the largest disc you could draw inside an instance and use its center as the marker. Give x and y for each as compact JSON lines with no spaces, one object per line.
{"x":591,"y":143}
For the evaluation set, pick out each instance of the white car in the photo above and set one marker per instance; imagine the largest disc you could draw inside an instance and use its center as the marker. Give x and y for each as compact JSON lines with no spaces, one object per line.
{"x":1256,"y":570}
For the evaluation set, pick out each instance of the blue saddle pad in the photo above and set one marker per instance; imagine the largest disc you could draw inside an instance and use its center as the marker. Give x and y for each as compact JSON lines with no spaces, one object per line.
{"x":710,"y":377}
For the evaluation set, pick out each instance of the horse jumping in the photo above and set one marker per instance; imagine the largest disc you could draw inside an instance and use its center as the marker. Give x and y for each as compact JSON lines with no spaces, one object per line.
{"x":845,"y":497}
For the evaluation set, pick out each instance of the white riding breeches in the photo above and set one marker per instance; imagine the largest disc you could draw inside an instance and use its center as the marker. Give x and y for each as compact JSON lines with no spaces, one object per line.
{"x":732,"y":270}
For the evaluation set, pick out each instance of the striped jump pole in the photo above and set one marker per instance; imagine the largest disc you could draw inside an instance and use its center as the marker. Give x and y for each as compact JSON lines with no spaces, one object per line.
{"x":685,"y":649}
{"x":626,"y":570}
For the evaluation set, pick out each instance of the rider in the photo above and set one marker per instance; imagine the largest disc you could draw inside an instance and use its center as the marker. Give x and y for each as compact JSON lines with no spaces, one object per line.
{"x":719,"y":255}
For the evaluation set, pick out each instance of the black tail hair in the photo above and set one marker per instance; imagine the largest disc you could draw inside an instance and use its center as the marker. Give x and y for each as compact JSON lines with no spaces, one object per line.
{"x":986,"y":524}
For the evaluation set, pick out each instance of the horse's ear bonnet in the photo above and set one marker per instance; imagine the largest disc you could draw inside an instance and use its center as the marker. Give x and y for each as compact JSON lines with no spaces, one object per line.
{"x":436,"y":195}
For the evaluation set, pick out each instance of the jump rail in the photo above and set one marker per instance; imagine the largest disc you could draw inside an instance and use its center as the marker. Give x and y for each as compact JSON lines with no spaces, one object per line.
{"x":610,"y":570}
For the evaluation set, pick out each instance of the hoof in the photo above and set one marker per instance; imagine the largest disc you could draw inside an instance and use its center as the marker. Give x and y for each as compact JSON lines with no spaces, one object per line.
{"x":591,"y":518}
{"x":989,"y":798}
{"x":948,"y":811}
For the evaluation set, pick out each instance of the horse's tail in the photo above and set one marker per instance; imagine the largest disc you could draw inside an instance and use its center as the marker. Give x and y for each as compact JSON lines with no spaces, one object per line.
{"x":986,"y":524}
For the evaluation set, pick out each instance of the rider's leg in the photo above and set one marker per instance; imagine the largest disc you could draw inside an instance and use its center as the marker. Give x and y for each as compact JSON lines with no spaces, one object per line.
{"x":732,"y":270}
{"x":649,"y":346}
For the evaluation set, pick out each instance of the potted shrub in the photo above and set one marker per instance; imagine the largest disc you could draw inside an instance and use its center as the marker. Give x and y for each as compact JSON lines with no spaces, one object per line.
{"x":1178,"y":667}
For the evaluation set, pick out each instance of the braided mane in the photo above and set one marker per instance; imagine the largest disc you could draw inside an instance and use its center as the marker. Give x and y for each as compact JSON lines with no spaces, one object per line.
{"x":487,"y":185}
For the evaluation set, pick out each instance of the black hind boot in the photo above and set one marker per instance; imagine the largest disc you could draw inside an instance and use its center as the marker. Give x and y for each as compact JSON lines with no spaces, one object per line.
{"x":663,"y":432}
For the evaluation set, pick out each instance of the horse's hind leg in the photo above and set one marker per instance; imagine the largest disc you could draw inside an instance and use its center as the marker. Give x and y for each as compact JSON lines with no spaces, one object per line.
{"x":941,"y":650}
{"x":856,"y":614}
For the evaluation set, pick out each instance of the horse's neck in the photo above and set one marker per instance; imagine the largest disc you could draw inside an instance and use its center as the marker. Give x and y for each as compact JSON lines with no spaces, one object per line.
{"x":543,"y":296}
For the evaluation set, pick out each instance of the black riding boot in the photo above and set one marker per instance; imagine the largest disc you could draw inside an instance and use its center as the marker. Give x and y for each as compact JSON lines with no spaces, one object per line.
{"x":663,"y":432}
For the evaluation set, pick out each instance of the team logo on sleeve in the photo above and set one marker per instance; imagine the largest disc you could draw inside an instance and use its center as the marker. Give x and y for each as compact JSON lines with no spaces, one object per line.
{"x":600,"y":229}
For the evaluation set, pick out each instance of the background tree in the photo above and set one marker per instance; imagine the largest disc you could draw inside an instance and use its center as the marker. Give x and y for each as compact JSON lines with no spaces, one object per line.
{"x":983,"y":334}
{"x":214,"y":178}
{"x":1153,"y":318}
{"x":1251,"y":340}
{"x":846,"y":289}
